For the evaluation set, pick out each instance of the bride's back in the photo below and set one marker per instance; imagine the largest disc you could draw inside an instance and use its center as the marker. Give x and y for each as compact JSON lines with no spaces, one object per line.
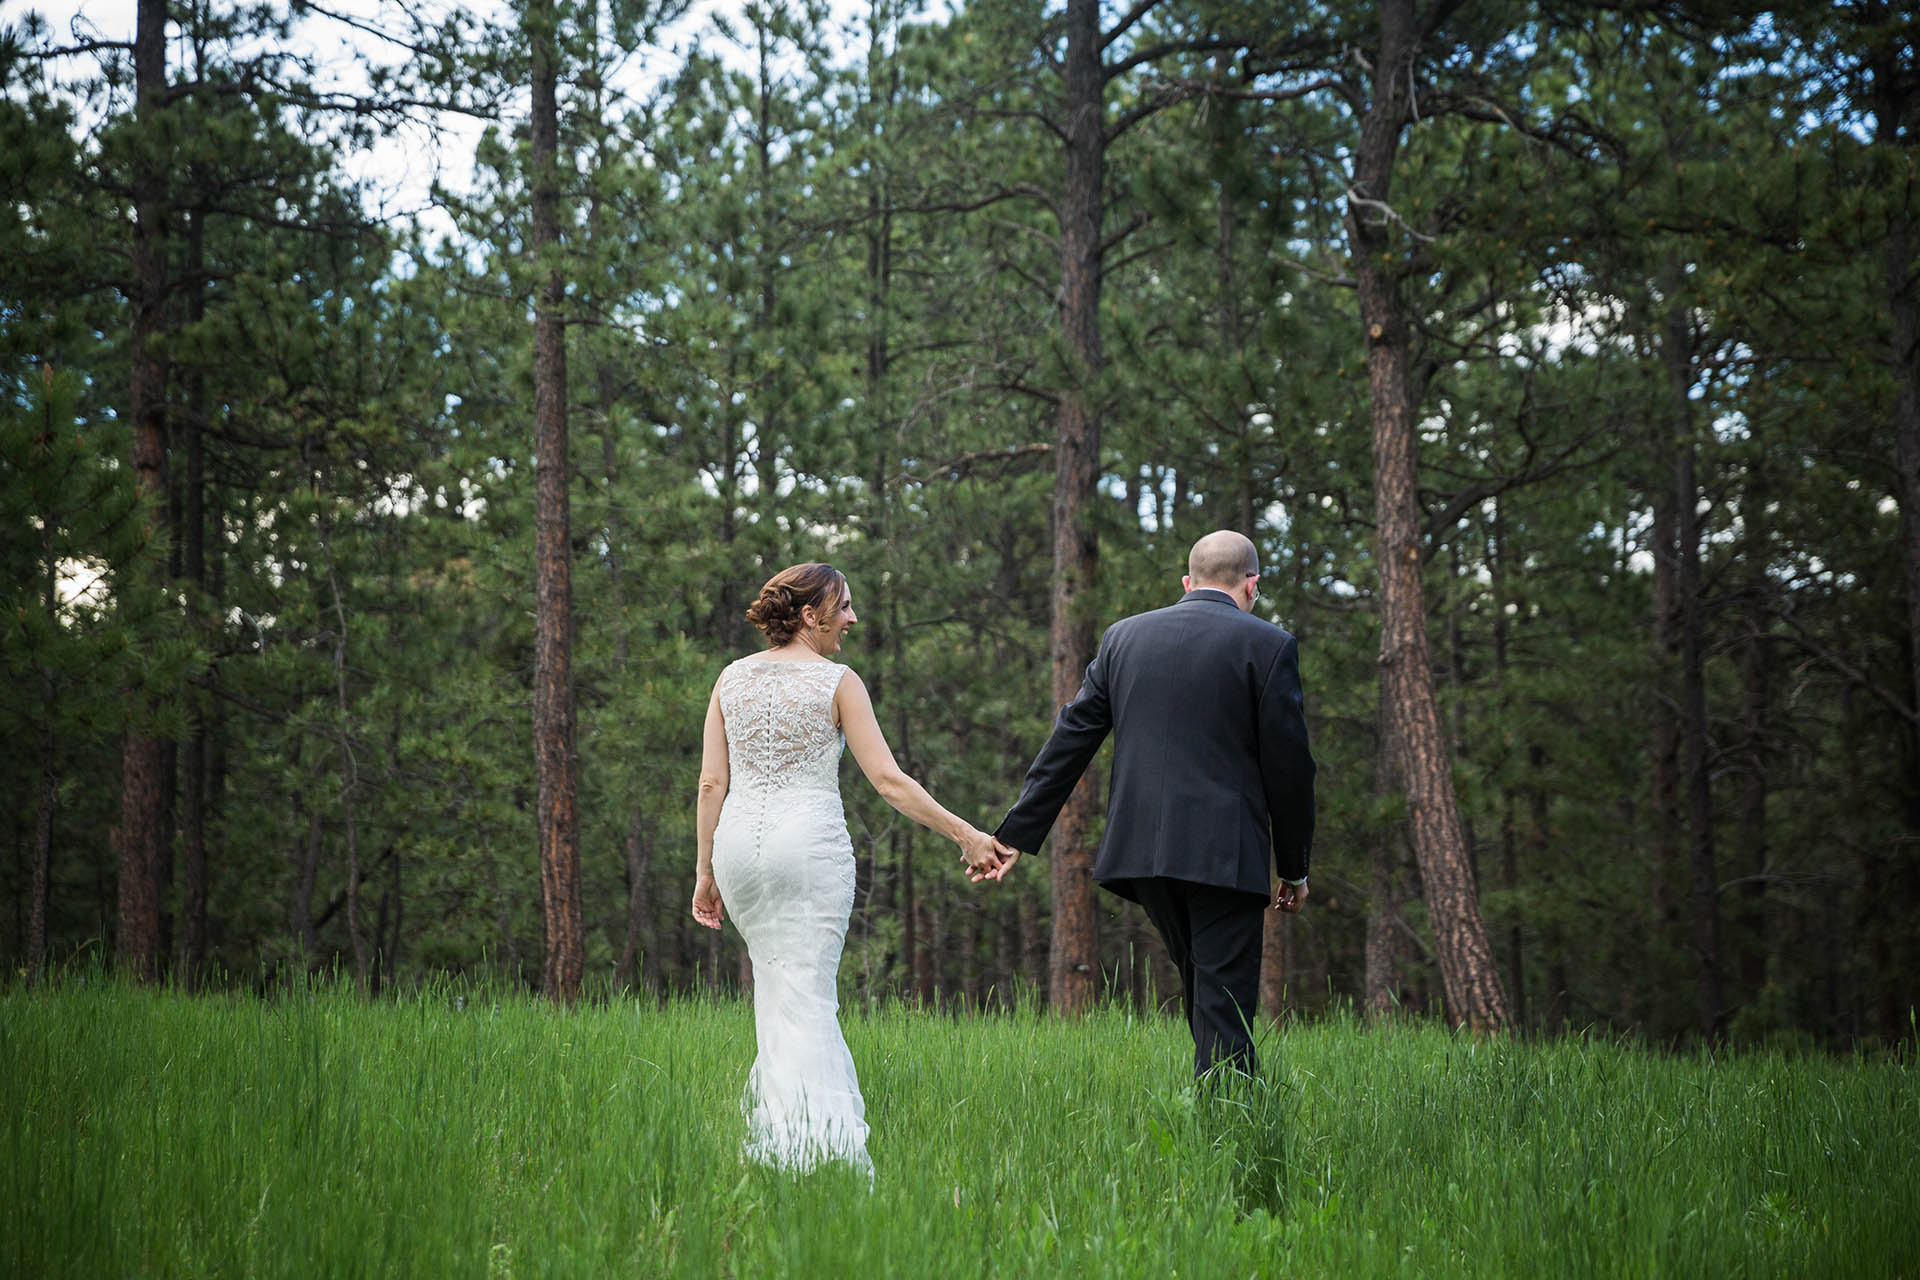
{"x":779,"y":720}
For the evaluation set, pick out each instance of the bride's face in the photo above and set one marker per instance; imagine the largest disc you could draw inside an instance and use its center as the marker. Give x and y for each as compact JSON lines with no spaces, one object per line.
{"x":828,"y":642}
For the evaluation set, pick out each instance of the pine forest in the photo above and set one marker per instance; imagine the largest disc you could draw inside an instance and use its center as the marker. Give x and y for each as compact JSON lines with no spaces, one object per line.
{"x":369,"y":562}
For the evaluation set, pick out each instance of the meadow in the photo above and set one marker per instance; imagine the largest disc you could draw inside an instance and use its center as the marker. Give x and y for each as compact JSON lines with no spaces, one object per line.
{"x":465,"y":1134}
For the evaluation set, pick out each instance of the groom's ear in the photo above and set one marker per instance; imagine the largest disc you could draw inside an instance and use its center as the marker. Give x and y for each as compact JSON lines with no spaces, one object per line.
{"x":1186,"y":582}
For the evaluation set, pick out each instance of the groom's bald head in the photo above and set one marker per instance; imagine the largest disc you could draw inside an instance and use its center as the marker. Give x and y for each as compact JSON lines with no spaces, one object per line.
{"x":1224,"y":560}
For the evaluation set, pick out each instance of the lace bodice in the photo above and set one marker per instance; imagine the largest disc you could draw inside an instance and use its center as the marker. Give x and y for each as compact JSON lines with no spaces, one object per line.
{"x":780,"y":730}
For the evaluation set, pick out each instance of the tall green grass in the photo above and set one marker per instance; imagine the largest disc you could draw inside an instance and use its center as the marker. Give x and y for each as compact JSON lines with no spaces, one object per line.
{"x":147,"y":1134}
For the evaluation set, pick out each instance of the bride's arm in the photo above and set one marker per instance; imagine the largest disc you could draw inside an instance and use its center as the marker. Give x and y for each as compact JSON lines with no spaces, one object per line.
{"x":870,"y":751}
{"x":714,"y":776}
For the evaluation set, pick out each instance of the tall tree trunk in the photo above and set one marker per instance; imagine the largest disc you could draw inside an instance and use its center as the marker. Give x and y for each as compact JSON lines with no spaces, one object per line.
{"x":49,"y":793}
{"x":502,"y":913}
{"x":1468,"y":974}
{"x":1693,"y":686}
{"x":1756,"y":668}
{"x":639,"y":966}
{"x":1380,"y":995}
{"x":1893,"y":88}
{"x":907,"y":903}
{"x":349,"y":788}
{"x":303,"y":859}
{"x":555,"y":757}
{"x":767,"y":424}
{"x":1509,"y":840}
{"x":49,"y":790}
{"x":639,"y":963}
{"x":1275,"y":940}
{"x":927,"y":976}
{"x":886,"y":641}
{"x":190,"y":937}
{"x":143,"y":800}
{"x":396,"y":885}
{"x":306,"y":874}
{"x":1903,"y":310}
{"x":1664,"y":782}
{"x":1073,"y":964}
{"x":1757,"y":673}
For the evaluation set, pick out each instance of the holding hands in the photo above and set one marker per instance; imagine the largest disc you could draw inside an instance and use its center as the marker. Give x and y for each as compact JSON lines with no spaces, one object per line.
{"x":986,"y":857}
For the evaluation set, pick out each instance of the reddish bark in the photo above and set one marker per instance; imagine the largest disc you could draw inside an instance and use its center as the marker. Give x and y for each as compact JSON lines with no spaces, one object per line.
{"x":143,"y":800}
{"x":555,"y":757}
{"x":1474,"y":995}
{"x":1073,"y":964}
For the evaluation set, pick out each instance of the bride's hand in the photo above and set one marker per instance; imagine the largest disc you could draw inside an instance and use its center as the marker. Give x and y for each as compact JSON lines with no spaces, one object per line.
{"x":1008,"y":856}
{"x":707,"y":907}
{"x":981,"y":853}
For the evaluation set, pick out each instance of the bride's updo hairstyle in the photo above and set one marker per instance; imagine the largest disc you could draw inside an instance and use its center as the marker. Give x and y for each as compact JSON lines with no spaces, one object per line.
{"x":777,"y":611}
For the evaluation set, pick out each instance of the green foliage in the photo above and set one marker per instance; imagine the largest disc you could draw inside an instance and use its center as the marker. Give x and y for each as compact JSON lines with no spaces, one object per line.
{"x":812,"y":314}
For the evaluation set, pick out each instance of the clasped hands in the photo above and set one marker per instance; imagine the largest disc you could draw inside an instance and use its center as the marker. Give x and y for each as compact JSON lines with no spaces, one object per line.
{"x":986,"y":857}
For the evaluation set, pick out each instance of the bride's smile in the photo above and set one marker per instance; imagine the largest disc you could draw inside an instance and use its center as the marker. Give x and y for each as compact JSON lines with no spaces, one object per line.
{"x":825,"y":636}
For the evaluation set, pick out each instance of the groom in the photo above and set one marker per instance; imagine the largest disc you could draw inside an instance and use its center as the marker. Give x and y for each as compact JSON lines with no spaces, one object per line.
{"x":1210,"y":771}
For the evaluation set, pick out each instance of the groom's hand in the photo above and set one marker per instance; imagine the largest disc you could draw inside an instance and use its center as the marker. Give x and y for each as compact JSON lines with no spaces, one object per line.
{"x":1289,"y":897}
{"x":981,"y":853}
{"x":1008,"y":856}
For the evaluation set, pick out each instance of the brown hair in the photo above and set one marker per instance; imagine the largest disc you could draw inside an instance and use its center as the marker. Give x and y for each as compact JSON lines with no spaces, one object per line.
{"x":777,"y":611}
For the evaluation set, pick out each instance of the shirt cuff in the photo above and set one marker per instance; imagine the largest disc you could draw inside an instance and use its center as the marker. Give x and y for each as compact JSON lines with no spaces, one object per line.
{"x":1301,"y":880}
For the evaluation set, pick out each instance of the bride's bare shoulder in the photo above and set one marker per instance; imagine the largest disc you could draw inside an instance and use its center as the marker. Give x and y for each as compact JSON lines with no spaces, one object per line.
{"x":849,"y":683}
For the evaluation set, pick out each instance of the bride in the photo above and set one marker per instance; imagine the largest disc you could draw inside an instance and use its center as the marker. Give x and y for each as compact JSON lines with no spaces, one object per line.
{"x":773,"y":847}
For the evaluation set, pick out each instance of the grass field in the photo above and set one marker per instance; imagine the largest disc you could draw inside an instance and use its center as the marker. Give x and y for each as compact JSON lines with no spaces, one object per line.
{"x":148,"y":1134}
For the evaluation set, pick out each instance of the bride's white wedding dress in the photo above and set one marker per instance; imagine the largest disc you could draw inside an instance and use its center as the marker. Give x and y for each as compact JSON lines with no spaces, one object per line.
{"x":783,"y":863}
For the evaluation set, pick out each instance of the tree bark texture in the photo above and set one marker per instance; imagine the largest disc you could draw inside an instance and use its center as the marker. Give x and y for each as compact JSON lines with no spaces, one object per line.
{"x":349,"y":788}
{"x":1379,"y":994}
{"x":1890,"y":108}
{"x":1509,"y":842}
{"x":1380,"y":997}
{"x":1757,"y":678}
{"x":190,"y":935}
{"x":1894,"y":85}
{"x":555,"y":758}
{"x":639,"y":959}
{"x":1471,"y":980}
{"x":42,"y":838}
{"x":1275,"y":941}
{"x":1756,"y":671}
{"x":143,"y":800}
{"x":1696,"y":749}
{"x":1664,"y":748}
{"x":1073,"y":963}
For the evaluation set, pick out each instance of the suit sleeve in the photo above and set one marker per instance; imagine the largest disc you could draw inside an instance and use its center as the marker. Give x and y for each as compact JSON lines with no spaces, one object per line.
{"x":1286,"y":764}
{"x":1078,"y":731}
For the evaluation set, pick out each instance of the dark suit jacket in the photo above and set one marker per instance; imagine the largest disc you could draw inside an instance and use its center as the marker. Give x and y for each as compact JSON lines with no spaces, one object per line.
{"x":1210,"y":762}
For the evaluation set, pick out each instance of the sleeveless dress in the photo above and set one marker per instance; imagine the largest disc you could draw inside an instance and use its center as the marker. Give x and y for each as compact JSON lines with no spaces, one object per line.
{"x":784,"y":866}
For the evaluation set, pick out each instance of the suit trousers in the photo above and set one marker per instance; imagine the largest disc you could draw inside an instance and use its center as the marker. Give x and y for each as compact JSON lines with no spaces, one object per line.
{"x":1214,"y":936}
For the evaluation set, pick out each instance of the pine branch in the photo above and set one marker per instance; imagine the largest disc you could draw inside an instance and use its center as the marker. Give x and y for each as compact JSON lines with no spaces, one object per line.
{"x":1127,"y":21}
{"x":1783,"y":610}
{"x":1155,"y":52}
{"x":961,"y":467}
{"x":74,"y":50}
{"x":1288,"y":94}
